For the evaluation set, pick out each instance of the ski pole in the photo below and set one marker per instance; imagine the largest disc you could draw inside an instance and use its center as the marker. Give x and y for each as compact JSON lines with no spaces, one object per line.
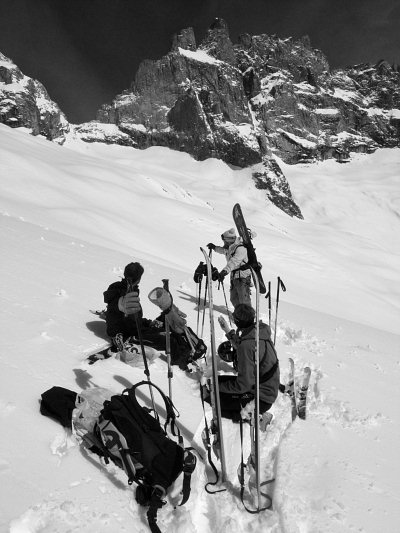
{"x":268,"y":296}
{"x":205,"y":298}
{"x":256,"y":439}
{"x":280,"y":285}
{"x":226,"y":303}
{"x":168,"y":344}
{"x":146,"y":366}
{"x":198,"y":306}
{"x":130,"y":288}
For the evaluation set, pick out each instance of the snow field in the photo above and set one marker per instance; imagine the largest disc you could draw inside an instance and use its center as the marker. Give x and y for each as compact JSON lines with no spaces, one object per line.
{"x":73,"y":216}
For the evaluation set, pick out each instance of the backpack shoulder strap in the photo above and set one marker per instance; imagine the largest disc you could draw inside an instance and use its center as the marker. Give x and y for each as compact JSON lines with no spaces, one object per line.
{"x":169,"y":407}
{"x":268,"y":375}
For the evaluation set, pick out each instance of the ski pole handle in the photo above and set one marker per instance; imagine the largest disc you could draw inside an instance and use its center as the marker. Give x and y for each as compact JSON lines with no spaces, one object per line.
{"x":281,"y":284}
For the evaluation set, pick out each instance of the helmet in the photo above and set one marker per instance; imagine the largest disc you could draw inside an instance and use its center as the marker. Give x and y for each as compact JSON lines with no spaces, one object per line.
{"x":226,"y":352}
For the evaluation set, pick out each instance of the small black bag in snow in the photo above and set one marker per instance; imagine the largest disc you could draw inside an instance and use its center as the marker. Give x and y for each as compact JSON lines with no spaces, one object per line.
{"x":186,"y":347}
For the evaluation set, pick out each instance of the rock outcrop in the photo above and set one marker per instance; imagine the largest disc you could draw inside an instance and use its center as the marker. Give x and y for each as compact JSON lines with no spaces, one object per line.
{"x":262,"y":97}
{"x":24,"y":102}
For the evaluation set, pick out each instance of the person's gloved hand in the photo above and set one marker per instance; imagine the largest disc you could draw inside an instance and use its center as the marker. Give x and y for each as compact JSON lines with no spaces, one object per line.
{"x":205,"y":392}
{"x":222,"y":275}
{"x":156,"y":324}
{"x":223,"y":323}
{"x":176,"y":319}
{"x":211,"y":246}
{"x":130,"y":303}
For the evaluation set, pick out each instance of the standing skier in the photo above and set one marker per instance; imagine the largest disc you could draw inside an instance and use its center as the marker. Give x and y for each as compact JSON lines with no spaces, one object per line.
{"x":122,"y":306}
{"x":237,"y":259}
{"x":237,"y":391}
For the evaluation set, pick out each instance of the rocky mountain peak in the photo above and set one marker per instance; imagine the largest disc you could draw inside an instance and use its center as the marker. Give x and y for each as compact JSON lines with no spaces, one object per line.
{"x":24,"y":102}
{"x":184,"y":39}
{"x":217,"y":42}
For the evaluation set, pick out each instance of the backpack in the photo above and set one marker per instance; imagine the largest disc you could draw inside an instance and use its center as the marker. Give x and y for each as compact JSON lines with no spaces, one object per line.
{"x":127,"y":434}
{"x":186,"y":347}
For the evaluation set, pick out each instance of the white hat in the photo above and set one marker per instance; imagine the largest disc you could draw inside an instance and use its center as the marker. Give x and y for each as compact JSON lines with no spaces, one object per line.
{"x":229,"y":235}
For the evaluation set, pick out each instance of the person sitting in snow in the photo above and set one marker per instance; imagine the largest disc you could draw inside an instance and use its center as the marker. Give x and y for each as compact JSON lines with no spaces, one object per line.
{"x":237,"y":391}
{"x":124,"y":312}
{"x":236,"y":256}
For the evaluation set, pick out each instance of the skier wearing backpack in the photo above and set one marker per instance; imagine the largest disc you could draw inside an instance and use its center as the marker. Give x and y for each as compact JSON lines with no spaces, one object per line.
{"x":236,"y":391}
{"x":236,"y":257}
{"x":123,"y":308}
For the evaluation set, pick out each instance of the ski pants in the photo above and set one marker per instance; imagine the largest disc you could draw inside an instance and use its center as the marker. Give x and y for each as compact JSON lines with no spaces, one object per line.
{"x":240,"y":291}
{"x":232,"y":404}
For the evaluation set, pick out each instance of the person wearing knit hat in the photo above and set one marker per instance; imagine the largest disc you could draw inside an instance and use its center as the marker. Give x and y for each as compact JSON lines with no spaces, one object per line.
{"x":237,"y":391}
{"x":236,"y":260}
{"x":124,"y":307}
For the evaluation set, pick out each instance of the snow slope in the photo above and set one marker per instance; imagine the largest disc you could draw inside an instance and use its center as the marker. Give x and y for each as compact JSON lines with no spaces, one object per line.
{"x":73,"y":216}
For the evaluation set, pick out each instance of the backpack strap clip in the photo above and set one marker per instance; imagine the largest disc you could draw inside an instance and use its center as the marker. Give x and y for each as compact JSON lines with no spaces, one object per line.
{"x":189,"y":464}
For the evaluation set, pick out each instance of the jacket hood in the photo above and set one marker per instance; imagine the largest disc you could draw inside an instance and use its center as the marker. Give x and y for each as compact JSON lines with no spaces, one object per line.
{"x":265,"y":332}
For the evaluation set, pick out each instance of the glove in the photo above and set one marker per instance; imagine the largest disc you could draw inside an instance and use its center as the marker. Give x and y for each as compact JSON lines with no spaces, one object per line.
{"x":176,"y":319}
{"x":156,"y":324}
{"x":199,"y":272}
{"x":222,"y":275}
{"x":223,"y":323}
{"x":211,"y":246}
{"x":129,"y":304}
{"x":205,"y":392}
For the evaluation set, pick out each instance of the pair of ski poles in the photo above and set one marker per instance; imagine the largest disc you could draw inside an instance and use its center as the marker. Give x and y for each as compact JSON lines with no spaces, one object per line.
{"x":131,"y":285}
{"x":280,"y":286}
{"x":221,"y":283}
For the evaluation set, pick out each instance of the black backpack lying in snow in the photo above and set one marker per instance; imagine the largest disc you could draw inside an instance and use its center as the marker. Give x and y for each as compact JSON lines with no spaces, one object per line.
{"x":134,"y":440}
{"x":186,"y":347}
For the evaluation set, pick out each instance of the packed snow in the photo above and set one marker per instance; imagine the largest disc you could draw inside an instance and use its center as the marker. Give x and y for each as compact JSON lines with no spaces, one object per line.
{"x":199,"y":55}
{"x":73,"y":216}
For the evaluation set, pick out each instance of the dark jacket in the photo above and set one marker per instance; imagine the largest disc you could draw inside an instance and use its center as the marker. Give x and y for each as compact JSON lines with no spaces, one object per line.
{"x":116,"y":321}
{"x":244,"y":381}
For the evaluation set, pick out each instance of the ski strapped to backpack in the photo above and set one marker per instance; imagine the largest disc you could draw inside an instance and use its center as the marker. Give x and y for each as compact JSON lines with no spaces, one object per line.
{"x":244,"y":233}
{"x":134,"y":440}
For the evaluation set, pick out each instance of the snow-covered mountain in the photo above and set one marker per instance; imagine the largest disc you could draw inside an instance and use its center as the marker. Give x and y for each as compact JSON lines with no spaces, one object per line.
{"x":247,"y":104}
{"x":72,"y":216}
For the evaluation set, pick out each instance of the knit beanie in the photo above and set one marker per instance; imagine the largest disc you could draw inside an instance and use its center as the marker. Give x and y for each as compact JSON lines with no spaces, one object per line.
{"x":134,"y":271}
{"x":244,"y":315}
{"x":229,"y":235}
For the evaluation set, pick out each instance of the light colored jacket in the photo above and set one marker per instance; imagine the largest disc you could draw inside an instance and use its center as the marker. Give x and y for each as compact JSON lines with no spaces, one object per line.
{"x":236,"y":256}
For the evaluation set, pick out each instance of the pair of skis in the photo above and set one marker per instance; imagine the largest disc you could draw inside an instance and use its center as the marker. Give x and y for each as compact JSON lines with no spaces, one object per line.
{"x":297,"y":390}
{"x":216,"y":425}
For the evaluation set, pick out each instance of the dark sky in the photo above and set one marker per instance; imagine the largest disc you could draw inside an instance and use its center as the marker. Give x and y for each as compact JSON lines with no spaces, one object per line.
{"x":87,"y":51}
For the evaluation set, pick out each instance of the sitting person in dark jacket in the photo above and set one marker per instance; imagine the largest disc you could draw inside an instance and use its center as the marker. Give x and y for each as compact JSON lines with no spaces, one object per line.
{"x":237,"y":391}
{"x":124,"y":312}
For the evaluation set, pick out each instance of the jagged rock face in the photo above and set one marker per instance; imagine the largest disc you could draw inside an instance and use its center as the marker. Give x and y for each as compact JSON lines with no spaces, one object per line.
{"x":261,"y":97}
{"x":244,"y":103}
{"x":24,"y":102}
{"x":194,"y":100}
{"x":308,"y":113}
{"x":190,"y":101}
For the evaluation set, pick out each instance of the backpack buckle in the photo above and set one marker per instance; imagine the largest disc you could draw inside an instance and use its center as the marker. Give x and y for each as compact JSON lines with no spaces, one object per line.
{"x":189,"y":462}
